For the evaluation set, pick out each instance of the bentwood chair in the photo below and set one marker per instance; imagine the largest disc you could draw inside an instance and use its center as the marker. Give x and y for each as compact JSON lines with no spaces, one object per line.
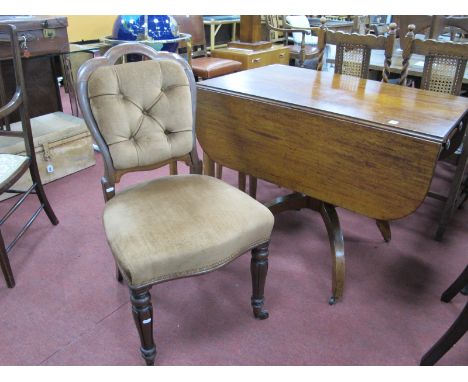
{"x":443,"y":72}
{"x":12,"y":167}
{"x":142,"y":116}
{"x":353,"y":53}
{"x":457,"y":330}
{"x":305,"y":43}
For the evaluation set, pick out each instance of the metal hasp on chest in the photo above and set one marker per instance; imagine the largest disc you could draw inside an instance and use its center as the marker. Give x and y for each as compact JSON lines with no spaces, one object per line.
{"x":336,"y":140}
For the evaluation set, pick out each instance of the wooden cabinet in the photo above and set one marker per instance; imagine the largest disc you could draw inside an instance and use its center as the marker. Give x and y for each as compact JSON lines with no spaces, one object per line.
{"x":277,"y":54}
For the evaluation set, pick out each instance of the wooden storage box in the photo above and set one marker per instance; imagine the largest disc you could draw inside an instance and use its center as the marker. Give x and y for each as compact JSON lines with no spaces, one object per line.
{"x":41,"y":35}
{"x":43,"y":39}
{"x":63,"y":146}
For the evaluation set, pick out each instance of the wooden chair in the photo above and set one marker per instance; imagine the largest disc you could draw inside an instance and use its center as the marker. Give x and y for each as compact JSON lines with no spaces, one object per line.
{"x":458,"y":27}
{"x":204,"y":67}
{"x":142,"y":116}
{"x":353,"y":52}
{"x":305,"y":44}
{"x":12,"y":167}
{"x":426,"y":26}
{"x":458,"y":328}
{"x":444,"y":68}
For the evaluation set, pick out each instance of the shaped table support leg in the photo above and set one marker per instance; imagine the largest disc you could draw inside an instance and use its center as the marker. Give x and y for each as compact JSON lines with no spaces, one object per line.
{"x":297,"y":201}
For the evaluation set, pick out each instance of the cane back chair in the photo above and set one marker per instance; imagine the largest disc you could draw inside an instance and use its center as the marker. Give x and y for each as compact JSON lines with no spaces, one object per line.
{"x":142,"y":116}
{"x":12,"y":167}
{"x":353,"y":51}
{"x":443,"y":72}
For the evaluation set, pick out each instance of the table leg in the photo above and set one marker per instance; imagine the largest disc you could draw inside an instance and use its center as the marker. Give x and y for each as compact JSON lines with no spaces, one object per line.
{"x":219,"y":170}
{"x":455,"y":197}
{"x":173,"y":168}
{"x":297,"y":201}
{"x":384,"y":228}
{"x":208,"y":165}
{"x":242,"y":180}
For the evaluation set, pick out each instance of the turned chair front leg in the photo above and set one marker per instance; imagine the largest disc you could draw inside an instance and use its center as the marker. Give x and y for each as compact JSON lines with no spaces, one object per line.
{"x":143,"y":316}
{"x":258,"y":270}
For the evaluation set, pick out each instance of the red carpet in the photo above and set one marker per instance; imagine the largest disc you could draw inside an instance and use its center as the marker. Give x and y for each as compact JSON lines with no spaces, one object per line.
{"x":67,"y":308}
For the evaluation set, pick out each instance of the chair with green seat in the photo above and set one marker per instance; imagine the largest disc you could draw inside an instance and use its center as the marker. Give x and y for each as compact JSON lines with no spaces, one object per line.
{"x":142,"y":116}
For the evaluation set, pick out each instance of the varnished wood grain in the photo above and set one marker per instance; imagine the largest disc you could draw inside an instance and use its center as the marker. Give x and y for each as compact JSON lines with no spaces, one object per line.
{"x":419,"y":113}
{"x":328,"y":136}
{"x":250,"y":59}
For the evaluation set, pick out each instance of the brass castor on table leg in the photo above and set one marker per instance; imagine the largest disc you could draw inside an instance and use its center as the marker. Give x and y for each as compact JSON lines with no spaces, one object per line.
{"x":261,"y":314}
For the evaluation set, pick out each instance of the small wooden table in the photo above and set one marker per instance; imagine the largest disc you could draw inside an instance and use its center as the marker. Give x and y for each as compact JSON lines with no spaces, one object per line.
{"x":337,"y":140}
{"x":277,"y":54}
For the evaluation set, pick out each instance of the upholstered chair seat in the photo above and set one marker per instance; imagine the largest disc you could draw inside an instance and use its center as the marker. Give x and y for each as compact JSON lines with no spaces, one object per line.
{"x":149,"y":243}
{"x":210,"y":67}
{"x":10,"y":166}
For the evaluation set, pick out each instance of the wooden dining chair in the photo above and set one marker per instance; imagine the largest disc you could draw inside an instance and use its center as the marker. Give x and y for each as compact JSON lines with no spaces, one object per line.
{"x":142,"y":116}
{"x":303,"y":35}
{"x":459,"y":327}
{"x":457,"y":27}
{"x":204,"y":66}
{"x":353,"y":53}
{"x":13,"y":167}
{"x":443,"y":72}
{"x":426,"y":26}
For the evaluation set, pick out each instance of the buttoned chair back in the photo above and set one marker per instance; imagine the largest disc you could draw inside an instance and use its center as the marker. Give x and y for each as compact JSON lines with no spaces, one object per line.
{"x":139,"y":121}
{"x":353,"y":51}
{"x":13,"y":166}
{"x":142,"y":116}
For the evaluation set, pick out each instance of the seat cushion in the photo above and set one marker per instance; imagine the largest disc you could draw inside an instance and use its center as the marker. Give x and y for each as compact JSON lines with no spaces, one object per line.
{"x":182,"y":225}
{"x":10,"y":166}
{"x":210,"y":67}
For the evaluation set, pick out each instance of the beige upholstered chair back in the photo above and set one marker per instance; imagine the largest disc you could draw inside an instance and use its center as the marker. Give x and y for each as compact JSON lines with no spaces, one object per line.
{"x":143,"y":111}
{"x":141,"y":114}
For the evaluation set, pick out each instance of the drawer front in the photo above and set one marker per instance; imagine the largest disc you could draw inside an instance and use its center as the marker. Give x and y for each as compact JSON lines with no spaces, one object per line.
{"x":257,"y":60}
{"x":283,"y":57}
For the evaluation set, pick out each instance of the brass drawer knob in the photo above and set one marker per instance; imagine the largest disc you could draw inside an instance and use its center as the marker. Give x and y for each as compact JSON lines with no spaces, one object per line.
{"x":258,"y":59}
